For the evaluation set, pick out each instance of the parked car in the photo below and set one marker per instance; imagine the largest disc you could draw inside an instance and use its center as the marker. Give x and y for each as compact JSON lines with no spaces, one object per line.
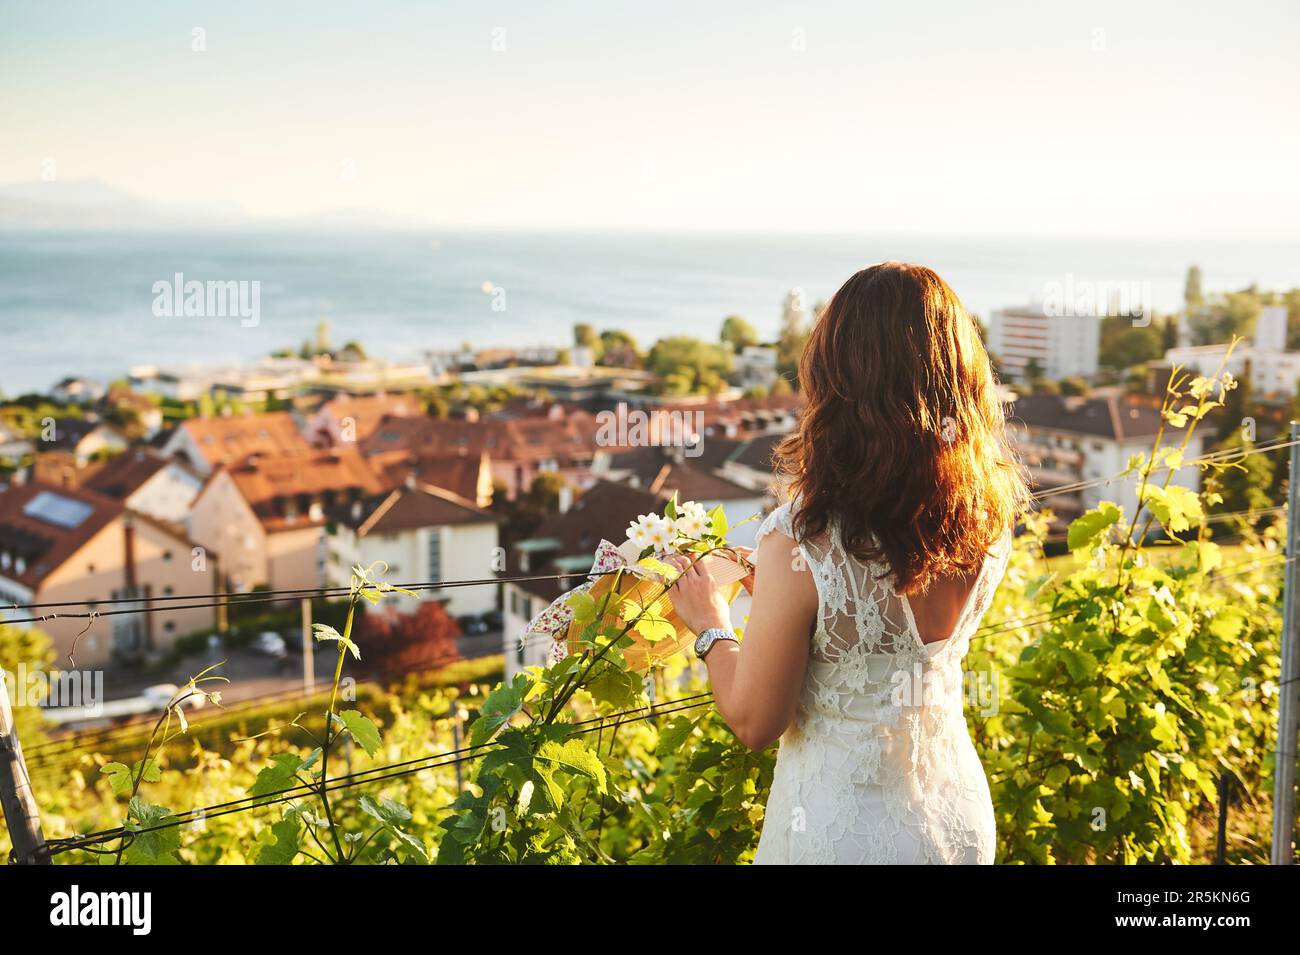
{"x":494,"y":620}
{"x":270,"y":644}
{"x":472,"y":625}
{"x":160,"y":694}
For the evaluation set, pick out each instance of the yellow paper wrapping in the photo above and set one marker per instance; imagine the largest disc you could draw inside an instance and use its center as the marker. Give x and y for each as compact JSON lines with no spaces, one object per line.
{"x":644,"y":653}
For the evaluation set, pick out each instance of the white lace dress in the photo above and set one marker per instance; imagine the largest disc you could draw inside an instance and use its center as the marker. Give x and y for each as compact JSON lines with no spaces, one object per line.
{"x":878,"y":764}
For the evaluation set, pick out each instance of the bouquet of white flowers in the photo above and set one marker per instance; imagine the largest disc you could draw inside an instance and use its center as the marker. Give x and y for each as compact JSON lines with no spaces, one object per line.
{"x":631,"y":587}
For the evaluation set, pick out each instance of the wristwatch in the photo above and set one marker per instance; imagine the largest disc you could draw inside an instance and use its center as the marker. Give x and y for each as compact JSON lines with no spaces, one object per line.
{"x":705,"y":641}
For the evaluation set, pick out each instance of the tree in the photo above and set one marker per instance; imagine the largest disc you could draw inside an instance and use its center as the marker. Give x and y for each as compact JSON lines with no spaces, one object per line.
{"x":793,"y":338}
{"x":1074,"y":386}
{"x":1124,"y":344}
{"x":1233,"y":313}
{"x":399,"y":643}
{"x":738,"y":333}
{"x":1193,"y":297}
{"x":1246,"y":485}
{"x":1168,"y":333}
{"x":619,"y":349}
{"x":689,"y":360}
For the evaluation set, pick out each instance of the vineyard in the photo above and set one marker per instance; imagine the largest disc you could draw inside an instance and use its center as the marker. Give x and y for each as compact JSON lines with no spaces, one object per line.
{"x":1121,"y":699}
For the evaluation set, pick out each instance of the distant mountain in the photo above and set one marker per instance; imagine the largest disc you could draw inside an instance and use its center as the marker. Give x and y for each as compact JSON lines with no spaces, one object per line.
{"x":90,"y":204}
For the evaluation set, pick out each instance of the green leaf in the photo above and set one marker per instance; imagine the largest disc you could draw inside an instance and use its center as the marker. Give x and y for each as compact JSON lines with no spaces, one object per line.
{"x":151,"y":848}
{"x":150,"y":773}
{"x":501,"y":704}
{"x":288,"y":838}
{"x":674,"y":734}
{"x":1177,"y":508}
{"x":573,"y":756}
{"x":584,"y":608}
{"x":412,"y":844}
{"x":718,"y":522}
{"x":388,"y":811}
{"x":616,"y":687}
{"x":122,"y":777}
{"x":326,"y":632}
{"x":278,"y":776}
{"x":1085,"y":530}
{"x":362,"y":729}
{"x":119,"y":777}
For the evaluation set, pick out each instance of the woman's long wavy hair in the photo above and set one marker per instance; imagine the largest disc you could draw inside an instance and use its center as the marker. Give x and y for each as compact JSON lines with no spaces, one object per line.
{"x":901,"y":447}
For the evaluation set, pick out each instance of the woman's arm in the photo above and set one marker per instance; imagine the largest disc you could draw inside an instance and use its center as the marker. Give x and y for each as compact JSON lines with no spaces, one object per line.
{"x":755,"y":685}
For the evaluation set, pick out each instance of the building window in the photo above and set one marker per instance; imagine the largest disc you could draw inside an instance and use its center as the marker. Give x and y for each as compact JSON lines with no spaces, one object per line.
{"x":435,"y":556}
{"x":167,"y":557}
{"x":169,"y":627}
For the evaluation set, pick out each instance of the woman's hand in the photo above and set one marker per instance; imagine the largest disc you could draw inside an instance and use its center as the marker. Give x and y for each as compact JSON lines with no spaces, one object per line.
{"x":695,"y":595}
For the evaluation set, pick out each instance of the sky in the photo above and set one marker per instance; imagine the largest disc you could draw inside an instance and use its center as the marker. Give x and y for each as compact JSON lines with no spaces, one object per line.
{"x":1110,"y":118}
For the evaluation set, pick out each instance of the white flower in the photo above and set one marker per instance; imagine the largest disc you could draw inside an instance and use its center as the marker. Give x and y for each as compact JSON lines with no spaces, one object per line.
{"x":660,"y":533}
{"x":692,"y":520}
{"x":638,"y":535}
{"x":648,"y":529}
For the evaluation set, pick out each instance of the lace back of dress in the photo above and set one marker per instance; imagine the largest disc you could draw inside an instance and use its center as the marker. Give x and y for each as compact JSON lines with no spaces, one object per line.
{"x":859,"y":610}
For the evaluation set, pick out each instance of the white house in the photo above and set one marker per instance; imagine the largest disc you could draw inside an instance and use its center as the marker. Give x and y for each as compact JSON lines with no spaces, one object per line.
{"x":148,"y":483}
{"x":424,"y":534}
{"x":756,"y":367}
{"x":1068,"y":440}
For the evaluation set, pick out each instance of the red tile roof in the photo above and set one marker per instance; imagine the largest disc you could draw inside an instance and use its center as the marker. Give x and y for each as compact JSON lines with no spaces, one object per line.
{"x":282,"y":489}
{"x":227,"y":440}
{"x":367,"y":411}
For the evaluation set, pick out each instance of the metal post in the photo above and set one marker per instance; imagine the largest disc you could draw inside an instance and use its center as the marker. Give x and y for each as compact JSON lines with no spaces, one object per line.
{"x":1285,"y":764}
{"x":455,"y":745}
{"x":308,"y":661}
{"x":1221,"y":837}
{"x":22,"y":817}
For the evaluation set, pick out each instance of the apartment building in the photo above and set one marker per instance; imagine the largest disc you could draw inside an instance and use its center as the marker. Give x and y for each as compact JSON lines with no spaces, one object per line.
{"x":1057,"y":345}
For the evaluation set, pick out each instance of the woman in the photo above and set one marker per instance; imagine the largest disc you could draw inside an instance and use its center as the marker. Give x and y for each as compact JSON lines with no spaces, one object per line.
{"x":870,"y":583}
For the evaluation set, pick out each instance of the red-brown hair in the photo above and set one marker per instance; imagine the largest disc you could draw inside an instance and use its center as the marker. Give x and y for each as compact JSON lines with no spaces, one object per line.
{"x":901,"y":446}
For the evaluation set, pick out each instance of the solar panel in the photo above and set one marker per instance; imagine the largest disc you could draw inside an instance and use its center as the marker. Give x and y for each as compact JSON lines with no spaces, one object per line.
{"x":57,"y":510}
